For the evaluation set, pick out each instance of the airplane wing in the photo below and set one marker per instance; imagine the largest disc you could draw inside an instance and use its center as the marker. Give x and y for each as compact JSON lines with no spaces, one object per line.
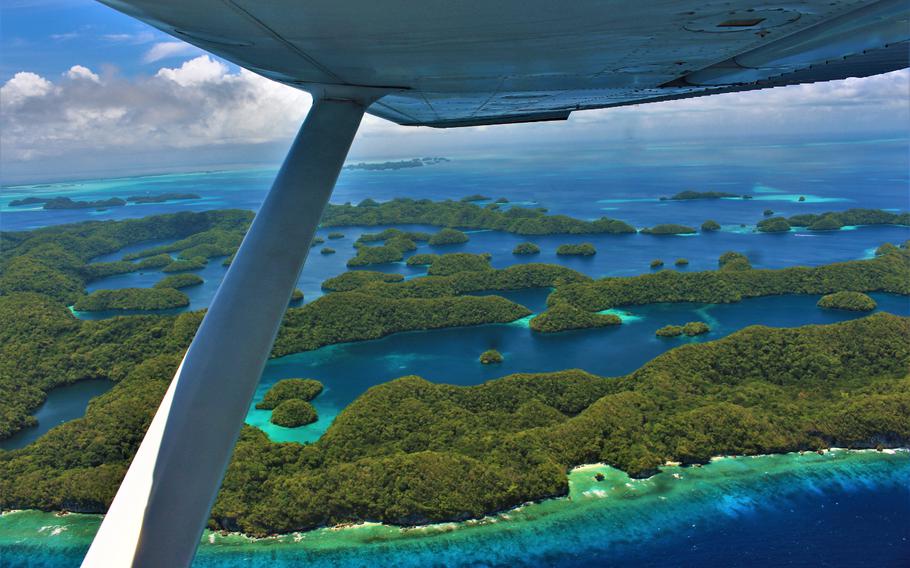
{"x":447,"y":63}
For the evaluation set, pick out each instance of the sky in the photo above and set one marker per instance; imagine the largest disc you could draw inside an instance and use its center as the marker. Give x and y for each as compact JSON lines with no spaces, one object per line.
{"x":88,"y":92}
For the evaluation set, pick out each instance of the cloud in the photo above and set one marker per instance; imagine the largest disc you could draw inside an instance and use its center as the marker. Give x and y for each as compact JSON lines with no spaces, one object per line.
{"x":228,"y":116}
{"x":22,"y":86}
{"x":134,"y":39}
{"x":166,"y":49}
{"x":80,"y":73}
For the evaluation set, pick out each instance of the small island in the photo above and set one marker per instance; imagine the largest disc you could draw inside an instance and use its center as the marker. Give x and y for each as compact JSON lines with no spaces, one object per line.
{"x":849,"y":301}
{"x":161,"y":197}
{"x":334,"y":235}
{"x":475,"y":197}
{"x":768,"y":212}
{"x":732,"y":260}
{"x":563,"y":316}
{"x":67,"y":203}
{"x":293,"y":413}
{"x":688,"y":195}
{"x":773,"y":225}
{"x":327,"y":250}
{"x":448,"y":237}
{"x":185,"y":264}
{"x":178,"y":281}
{"x":710,"y":226}
{"x":526,"y":248}
{"x":490,"y":357}
{"x":397,"y":165}
{"x":296,"y":295}
{"x":657,"y":263}
{"x":669,"y":229}
{"x":690,"y":329}
{"x":423,"y":259}
{"x":681,"y":262}
{"x":290,"y":389}
{"x":317,"y":241}
{"x":583,"y":249}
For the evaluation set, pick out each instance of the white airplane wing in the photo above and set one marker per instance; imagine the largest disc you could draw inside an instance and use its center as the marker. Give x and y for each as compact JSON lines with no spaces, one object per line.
{"x":467,"y":62}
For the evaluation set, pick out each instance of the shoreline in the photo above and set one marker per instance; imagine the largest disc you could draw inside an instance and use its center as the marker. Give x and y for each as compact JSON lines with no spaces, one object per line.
{"x":211,"y":537}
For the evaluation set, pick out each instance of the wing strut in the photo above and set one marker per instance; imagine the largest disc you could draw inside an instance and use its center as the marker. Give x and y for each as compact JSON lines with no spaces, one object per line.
{"x":163,"y":504}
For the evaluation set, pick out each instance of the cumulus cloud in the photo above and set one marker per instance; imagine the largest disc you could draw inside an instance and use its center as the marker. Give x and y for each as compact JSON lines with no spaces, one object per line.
{"x":24,"y":85}
{"x":166,"y":49}
{"x":215,"y":110}
{"x":78,"y":72}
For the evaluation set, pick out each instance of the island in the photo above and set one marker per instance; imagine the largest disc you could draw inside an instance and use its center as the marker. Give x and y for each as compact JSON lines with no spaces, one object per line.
{"x":759,"y":390}
{"x":185,"y":264}
{"x":669,"y":229}
{"x":490,"y":357}
{"x":474,"y":197}
{"x":457,"y":214}
{"x":583,"y":249}
{"x":178,"y":281}
{"x":710,"y":226}
{"x":296,"y":296}
{"x":448,"y":237}
{"x":525,"y":249}
{"x":162,"y":197}
{"x":691,"y":329}
{"x":846,"y":300}
{"x":396,"y":165}
{"x":293,"y":413}
{"x":327,"y":250}
{"x":773,"y":225}
{"x":28,"y":201}
{"x":681,"y":262}
{"x":334,"y":235}
{"x":563,"y":316}
{"x":67,"y":203}
{"x":289,"y":389}
{"x":688,"y":195}
{"x":833,"y":220}
{"x":657,"y":263}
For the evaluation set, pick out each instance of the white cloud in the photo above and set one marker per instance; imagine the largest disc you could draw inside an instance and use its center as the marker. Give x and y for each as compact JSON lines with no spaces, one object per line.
{"x":135,"y":39}
{"x":227,"y":116}
{"x":78,"y":72}
{"x":22,"y":86}
{"x":166,"y":49}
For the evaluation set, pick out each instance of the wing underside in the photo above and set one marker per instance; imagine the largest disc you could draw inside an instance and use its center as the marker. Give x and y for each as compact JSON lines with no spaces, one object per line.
{"x":470,"y":62}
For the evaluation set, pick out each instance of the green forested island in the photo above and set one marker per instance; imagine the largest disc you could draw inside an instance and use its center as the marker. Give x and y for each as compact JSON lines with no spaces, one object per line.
{"x":851,"y":301}
{"x":288,"y":389}
{"x":477,"y":449}
{"x":669,"y":229}
{"x":582,"y":249}
{"x":465,"y":215}
{"x":526,"y":248}
{"x":293,"y":413}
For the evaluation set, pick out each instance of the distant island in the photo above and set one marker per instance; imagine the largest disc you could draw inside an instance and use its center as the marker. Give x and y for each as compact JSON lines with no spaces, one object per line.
{"x":688,"y":195}
{"x":56,"y":203}
{"x":398,"y":165}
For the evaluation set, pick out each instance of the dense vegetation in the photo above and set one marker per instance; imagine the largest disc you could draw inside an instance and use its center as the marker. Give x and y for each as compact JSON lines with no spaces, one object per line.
{"x":773,"y":225}
{"x":335,"y":235}
{"x":563,"y":316}
{"x":834,"y":220}
{"x":293,"y":413}
{"x":710,"y":226}
{"x":178,"y":281}
{"x":526,"y":248}
{"x":735,"y":280}
{"x":681,"y":262}
{"x":657,"y":263}
{"x":354,"y":279}
{"x":287,"y":389}
{"x":852,"y":301}
{"x":465,"y":216}
{"x":583,"y":249}
{"x":448,"y":237}
{"x":185,"y":265}
{"x":691,"y":329}
{"x":327,"y":250}
{"x":132,"y":299}
{"x":448,"y":264}
{"x":490,"y":356}
{"x":669,"y":229}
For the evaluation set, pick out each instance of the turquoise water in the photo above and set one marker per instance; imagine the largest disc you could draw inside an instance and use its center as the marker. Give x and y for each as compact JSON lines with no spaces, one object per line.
{"x":837,"y":509}
{"x":62,"y":404}
{"x":451,"y":355}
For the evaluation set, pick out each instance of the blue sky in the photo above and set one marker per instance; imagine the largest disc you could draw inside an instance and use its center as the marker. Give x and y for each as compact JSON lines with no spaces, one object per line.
{"x":88,"y":92}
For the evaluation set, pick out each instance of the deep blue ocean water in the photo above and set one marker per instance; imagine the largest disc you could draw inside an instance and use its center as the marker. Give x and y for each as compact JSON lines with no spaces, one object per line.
{"x":805,"y":516}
